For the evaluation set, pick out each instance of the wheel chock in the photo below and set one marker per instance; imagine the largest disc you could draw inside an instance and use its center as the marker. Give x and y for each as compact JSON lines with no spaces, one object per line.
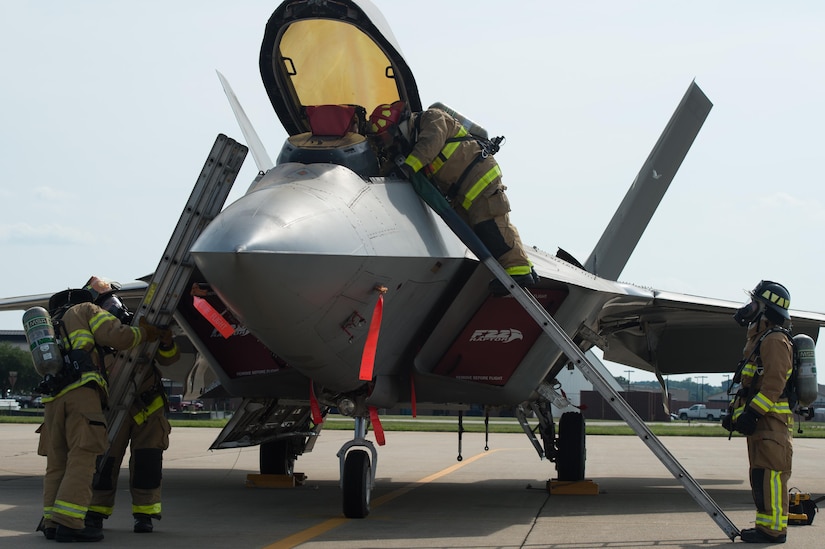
{"x":572,"y":487}
{"x":275,"y":481}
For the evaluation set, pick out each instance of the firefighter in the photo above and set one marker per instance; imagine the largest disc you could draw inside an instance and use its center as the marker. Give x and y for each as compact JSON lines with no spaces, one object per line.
{"x":146,"y":429}
{"x":73,"y":433}
{"x":761,"y":411}
{"x":463,"y":169}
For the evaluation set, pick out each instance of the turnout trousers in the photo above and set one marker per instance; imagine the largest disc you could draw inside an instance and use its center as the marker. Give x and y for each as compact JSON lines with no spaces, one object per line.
{"x":770,"y":454}
{"x":73,"y":434}
{"x":489,"y":216}
{"x":147,"y":442}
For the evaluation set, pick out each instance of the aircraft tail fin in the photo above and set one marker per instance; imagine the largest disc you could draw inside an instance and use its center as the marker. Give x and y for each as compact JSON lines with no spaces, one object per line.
{"x":619,"y":239}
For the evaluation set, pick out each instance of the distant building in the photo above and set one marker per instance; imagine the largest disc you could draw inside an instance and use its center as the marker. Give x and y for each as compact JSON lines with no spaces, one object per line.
{"x":16,"y":338}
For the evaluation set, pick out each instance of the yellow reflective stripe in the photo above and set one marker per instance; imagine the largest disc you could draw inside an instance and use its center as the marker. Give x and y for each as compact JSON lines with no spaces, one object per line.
{"x":447,"y":151}
{"x":762,"y":402}
{"x":775,"y":520}
{"x":779,"y":407}
{"x":413,"y":163}
{"x":480,"y":185}
{"x":519,"y":270}
{"x":102,"y":510}
{"x":99,"y":319}
{"x":777,"y":299}
{"x":167,"y":353}
{"x":69,"y":509}
{"x":768,"y":522}
{"x":81,"y":339}
{"x":153,"y":509}
{"x":47,"y":512}
{"x":156,"y":405}
{"x":749,"y":369}
{"x":85,"y":378}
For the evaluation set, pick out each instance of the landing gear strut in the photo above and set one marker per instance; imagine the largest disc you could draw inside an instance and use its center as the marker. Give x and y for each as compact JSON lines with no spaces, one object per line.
{"x":357,"y":472}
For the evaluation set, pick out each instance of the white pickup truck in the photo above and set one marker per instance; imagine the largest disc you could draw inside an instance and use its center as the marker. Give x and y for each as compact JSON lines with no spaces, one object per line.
{"x":700,"y":411}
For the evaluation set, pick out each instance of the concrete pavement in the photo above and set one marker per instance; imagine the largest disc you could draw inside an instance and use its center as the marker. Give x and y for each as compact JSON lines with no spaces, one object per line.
{"x":424,"y":498}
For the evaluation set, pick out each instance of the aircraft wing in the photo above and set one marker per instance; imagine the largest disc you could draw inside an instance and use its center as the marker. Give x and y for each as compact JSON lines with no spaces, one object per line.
{"x":131,"y":293}
{"x":681,"y":334}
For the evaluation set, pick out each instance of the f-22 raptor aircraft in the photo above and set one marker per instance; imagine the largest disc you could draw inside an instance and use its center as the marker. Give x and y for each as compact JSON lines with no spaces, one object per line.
{"x":321,"y":245}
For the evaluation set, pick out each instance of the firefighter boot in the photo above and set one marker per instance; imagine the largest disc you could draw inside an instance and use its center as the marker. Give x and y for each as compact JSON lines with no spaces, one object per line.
{"x":94,"y":520}
{"x":66,"y":534}
{"x":525,"y":281}
{"x":143,"y":523}
{"x":755,"y":535}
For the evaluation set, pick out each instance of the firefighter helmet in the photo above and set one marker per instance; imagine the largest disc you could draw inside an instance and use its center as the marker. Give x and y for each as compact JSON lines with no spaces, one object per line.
{"x":385,"y":116}
{"x":776,"y":298}
{"x":62,"y":301}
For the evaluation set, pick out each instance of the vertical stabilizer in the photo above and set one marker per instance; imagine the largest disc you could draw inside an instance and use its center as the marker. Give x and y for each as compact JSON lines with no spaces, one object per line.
{"x":619,"y":239}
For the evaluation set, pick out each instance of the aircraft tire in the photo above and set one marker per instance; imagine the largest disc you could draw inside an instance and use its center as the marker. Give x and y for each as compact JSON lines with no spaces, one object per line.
{"x":571,"y":445}
{"x":275,"y":458}
{"x":356,"y":484}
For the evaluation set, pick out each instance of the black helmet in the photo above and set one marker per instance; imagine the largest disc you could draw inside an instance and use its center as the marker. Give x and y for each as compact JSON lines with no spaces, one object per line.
{"x":776,"y":298}
{"x":62,"y":301}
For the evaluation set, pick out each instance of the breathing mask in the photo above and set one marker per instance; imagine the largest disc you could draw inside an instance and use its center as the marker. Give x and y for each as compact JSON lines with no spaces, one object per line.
{"x":750,"y":312}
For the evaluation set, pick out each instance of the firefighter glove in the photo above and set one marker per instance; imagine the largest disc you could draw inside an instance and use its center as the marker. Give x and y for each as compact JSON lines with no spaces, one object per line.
{"x":152,"y":331}
{"x":167,"y":340}
{"x":746,"y":424}
{"x":727,"y":423}
{"x":407,"y":170}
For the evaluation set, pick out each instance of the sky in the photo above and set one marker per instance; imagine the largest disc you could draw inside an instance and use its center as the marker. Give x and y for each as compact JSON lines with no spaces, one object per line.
{"x":109,"y":109}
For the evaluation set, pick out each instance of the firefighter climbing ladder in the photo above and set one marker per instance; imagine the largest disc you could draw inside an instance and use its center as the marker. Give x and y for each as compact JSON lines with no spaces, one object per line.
{"x":595,"y":374}
{"x":172,"y":274}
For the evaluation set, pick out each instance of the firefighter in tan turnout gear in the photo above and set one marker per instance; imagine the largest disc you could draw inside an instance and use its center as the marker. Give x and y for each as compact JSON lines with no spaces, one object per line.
{"x":146,"y":428}
{"x":463,"y":169}
{"x":761,"y":411}
{"x":74,"y":427}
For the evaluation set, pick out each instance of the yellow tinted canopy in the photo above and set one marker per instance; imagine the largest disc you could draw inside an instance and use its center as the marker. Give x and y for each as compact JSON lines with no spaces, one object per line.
{"x":331,"y":62}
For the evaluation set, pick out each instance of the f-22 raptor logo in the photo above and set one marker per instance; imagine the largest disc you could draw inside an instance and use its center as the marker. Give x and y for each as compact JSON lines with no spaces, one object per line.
{"x":498,"y":336}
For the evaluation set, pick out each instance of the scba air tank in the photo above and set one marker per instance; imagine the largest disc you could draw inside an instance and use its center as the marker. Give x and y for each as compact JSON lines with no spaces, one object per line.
{"x":42,"y":342}
{"x":805,"y":357}
{"x":468,"y":124}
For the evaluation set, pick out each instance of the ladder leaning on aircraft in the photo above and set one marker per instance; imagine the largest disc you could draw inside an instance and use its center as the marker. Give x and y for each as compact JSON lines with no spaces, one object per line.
{"x":172,"y":274}
{"x":593,"y":371}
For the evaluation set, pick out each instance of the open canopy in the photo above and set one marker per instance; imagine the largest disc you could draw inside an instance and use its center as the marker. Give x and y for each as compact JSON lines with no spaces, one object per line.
{"x":321,"y":52}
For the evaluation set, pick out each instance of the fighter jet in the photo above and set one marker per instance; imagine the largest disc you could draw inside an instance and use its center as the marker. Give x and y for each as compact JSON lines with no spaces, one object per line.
{"x":347,"y":293}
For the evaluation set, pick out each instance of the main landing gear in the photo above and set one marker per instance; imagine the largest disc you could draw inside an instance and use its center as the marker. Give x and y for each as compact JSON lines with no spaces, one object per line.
{"x":568,"y":450}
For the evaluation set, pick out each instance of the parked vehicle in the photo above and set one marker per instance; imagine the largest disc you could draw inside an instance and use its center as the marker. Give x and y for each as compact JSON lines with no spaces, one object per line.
{"x":25,"y":401}
{"x":700,"y":411}
{"x":177,"y":404}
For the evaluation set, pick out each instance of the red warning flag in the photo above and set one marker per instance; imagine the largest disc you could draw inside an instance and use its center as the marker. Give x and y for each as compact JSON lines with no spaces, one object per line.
{"x":317,"y":418}
{"x":377,"y":428}
{"x":213,"y":316}
{"x":368,"y":356}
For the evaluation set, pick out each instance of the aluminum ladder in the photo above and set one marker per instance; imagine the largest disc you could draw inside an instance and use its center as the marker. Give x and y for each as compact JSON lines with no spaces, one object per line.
{"x":595,"y":374}
{"x":169,"y":280}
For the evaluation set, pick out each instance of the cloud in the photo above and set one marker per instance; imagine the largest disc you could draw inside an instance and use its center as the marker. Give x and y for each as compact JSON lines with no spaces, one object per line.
{"x":24,"y":234}
{"x":799,"y":211}
{"x":50,"y":194}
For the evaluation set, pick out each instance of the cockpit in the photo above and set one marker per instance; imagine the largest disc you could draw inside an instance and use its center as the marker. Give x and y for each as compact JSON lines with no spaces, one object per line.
{"x":326,"y":65}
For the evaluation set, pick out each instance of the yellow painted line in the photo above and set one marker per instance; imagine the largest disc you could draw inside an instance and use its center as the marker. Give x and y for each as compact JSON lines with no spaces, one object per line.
{"x":313,"y":532}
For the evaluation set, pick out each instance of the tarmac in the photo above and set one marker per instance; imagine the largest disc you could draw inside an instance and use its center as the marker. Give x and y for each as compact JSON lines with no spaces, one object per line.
{"x":424,"y":497}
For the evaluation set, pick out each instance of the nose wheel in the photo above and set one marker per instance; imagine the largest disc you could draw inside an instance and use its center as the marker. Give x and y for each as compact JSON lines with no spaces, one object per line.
{"x":357,"y":472}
